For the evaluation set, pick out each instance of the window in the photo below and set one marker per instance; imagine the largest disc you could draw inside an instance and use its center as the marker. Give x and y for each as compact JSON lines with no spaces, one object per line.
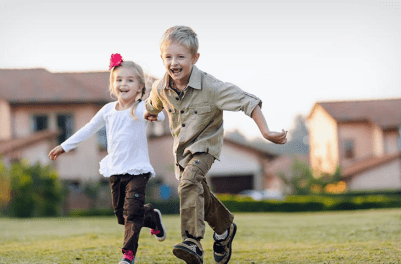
{"x":39,"y":123}
{"x":349,"y":149}
{"x":102,"y":138}
{"x":64,"y":123}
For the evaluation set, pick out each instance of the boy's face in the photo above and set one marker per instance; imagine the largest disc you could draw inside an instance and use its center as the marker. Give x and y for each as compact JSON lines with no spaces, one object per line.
{"x":178,"y":61}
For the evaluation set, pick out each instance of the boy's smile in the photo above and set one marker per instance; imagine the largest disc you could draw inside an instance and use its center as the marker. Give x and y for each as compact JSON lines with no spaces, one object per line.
{"x":178,"y":61}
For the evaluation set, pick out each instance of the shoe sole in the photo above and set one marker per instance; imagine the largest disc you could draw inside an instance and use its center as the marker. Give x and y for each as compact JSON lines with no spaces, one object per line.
{"x":161,"y":222}
{"x":186,"y":255}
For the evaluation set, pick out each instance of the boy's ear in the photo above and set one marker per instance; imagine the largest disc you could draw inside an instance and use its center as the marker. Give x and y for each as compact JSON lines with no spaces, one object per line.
{"x":195,"y":58}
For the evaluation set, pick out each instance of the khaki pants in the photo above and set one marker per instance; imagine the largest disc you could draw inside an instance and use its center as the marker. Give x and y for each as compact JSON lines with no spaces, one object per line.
{"x":197,"y":203}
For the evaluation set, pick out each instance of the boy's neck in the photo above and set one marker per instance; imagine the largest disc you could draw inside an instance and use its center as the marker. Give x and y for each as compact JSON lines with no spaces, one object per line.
{"x":177,"y":86}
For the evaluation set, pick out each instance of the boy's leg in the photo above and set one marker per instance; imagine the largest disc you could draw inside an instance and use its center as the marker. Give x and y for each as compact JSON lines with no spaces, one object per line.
{"x":217,"y":215}
{"x":134,"y":210}
{"x":191,"y":192}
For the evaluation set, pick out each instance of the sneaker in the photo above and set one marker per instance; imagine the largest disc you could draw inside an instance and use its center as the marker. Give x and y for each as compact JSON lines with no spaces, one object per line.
{"x":222,"y":248}
{"x":190,"y":250}
{"x":126,"y":261}
{"x":160,"y":231}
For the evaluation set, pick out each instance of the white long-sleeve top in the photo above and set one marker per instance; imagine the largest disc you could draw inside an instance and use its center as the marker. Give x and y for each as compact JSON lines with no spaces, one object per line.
{"x":127,"y":145}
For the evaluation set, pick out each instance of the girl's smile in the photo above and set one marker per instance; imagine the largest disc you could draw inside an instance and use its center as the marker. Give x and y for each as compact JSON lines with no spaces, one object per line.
{"x":126,"y":86}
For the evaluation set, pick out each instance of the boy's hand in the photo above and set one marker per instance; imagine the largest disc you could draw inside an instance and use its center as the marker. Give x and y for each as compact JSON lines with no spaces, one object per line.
{"x":150,"y":117}
{"x":276,"y":137}
{"x":54,"y":153}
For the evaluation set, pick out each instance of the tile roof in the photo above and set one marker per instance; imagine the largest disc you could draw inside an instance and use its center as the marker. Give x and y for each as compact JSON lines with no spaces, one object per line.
{"x":368,"y":164}
{"x":17,"y":144}
{"x":385,"y":112}
{"x":42,"y":86}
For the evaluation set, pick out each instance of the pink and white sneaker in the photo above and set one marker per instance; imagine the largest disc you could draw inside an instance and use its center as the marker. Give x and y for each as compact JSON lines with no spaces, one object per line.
{"x":160,"y":231}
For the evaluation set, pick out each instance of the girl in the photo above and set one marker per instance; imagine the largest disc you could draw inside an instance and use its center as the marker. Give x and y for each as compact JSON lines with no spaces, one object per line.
{"x":127,"y":163}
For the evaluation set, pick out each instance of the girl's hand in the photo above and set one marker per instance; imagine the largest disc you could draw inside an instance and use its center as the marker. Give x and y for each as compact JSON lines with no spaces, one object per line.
{"x":276,"y":137}
{"x":54,"y":153}
{"x":150,"y":117}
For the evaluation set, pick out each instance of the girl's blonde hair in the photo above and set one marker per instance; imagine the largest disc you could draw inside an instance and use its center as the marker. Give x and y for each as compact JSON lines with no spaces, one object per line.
{"x":141,"y":78}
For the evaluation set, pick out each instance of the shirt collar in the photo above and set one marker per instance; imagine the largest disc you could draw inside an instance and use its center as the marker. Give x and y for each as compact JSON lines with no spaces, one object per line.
{"x":195,"y":80}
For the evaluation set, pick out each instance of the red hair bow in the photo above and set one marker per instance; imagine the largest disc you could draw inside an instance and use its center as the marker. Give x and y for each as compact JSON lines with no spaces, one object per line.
{"x":115,"y":60}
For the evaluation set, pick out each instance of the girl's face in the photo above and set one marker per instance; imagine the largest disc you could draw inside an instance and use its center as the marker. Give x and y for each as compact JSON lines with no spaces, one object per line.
{"x":126,"y":85}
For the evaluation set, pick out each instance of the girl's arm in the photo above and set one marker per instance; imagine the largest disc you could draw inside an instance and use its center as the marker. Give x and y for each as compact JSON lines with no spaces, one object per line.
{"x":96,"y":123}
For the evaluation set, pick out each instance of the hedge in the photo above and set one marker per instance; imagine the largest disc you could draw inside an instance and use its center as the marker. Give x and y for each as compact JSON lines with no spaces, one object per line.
{"x":295,"y":203}
{"x":310,"y":203}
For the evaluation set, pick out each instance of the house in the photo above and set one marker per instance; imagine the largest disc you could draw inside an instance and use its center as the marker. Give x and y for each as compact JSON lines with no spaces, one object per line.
{"x":40,"y":109}
{"x":240,"y":167}
{"x":362,"y":138}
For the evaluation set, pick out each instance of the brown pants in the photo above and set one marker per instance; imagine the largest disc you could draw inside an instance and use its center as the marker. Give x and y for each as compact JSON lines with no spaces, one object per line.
{"x":128,"y":198}
{"x":197,"y":203}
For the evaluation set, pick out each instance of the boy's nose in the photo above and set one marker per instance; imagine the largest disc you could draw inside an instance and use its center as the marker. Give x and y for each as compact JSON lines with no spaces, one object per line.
{"x":173,"y":61}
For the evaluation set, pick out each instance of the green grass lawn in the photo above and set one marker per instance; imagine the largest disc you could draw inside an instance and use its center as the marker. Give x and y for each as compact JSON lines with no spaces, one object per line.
{"x":366,"y":236}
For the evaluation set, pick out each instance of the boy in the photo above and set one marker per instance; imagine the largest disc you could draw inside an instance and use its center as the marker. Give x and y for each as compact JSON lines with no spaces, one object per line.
{"x":194,"y":101}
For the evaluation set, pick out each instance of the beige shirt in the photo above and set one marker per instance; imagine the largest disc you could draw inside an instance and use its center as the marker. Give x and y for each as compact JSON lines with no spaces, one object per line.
{"x":196,"y":119}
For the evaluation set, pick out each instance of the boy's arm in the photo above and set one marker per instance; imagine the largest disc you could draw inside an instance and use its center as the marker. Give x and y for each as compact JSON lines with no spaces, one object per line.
{"x":275,"y":137}
{"x":153,"y":105}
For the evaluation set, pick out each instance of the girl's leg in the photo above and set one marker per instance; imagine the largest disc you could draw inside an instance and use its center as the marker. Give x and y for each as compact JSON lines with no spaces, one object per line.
{"x":134,"y":210}
{"x":117,"y":197}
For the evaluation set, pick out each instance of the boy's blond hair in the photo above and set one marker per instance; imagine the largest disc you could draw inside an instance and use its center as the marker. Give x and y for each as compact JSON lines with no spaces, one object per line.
{"x":181,"y":35}
{"x":141,"y":78}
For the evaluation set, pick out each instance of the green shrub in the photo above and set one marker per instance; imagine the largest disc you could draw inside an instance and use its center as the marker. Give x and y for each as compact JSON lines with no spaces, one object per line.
{"x":303,"y":203}
{"x":35,"y":190}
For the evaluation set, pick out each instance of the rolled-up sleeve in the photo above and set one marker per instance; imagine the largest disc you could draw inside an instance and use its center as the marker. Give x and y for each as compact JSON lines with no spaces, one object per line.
{"x":153,"y":104}
{"x":231,"y":98}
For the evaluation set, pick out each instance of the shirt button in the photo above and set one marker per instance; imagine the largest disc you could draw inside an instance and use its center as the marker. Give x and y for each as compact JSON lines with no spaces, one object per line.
{"x":196,"y":112}
{"x":183,"y":125}
{"x":182,"y":111}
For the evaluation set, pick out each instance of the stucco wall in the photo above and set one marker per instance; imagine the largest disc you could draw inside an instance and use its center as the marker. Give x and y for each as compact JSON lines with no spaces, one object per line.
{"x":323,"y":141}
{"x":391,"y":144}
{"x":387,"y":176}
{"x":5,"y":120}
{"x":81,"y":163}
{"x":362,"y":136}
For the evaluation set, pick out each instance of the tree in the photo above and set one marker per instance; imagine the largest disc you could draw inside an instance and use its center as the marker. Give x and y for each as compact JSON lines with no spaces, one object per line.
{"x":303,"y":181}
{"x":35,"y":190}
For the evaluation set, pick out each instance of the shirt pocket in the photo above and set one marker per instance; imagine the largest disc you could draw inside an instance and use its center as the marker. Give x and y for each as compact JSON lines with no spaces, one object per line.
{"x":200,"y":110}
{"x":199,"y":117}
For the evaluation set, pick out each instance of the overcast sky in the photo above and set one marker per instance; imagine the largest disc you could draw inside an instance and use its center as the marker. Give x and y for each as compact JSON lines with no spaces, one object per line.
{"x":289,"y":53}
